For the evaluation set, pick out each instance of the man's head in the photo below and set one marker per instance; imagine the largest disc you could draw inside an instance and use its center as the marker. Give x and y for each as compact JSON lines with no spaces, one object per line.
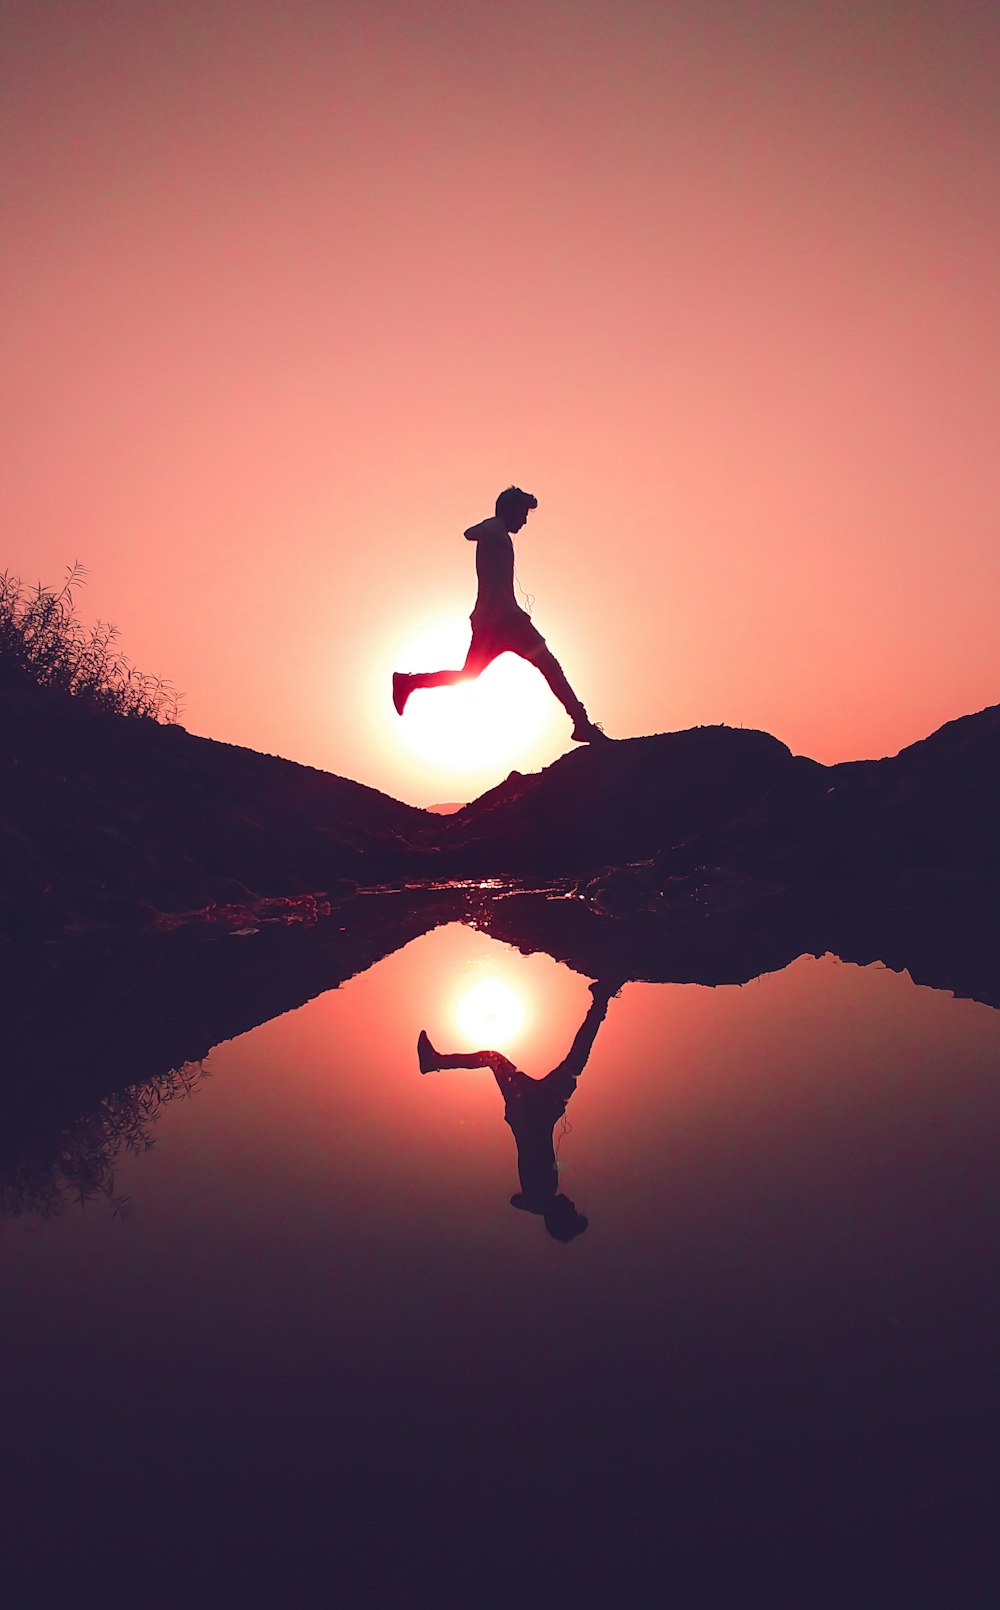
{"x":514,"y":506}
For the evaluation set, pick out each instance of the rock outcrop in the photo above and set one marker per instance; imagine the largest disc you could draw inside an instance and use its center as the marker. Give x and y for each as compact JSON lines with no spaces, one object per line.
{"x":725,"y":797}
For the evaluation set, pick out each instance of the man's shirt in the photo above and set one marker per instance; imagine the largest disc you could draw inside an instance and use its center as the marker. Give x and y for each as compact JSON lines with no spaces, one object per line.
{"x":495,"y":600}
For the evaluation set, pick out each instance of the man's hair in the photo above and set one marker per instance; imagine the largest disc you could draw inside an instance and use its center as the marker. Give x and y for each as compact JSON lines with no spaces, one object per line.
{"x":514,"y":502}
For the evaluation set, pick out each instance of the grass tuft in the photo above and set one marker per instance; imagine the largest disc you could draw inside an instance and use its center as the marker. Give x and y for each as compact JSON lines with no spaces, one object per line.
{"x":43,"y":643}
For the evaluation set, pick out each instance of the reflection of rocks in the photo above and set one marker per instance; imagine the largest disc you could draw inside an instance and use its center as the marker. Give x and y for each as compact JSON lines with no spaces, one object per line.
{"x":722,"y":928}
{"x":85,"y":1027}
{"x":79,"y":1021}
{"x":669,"y":939}
{"x":626,"y":891}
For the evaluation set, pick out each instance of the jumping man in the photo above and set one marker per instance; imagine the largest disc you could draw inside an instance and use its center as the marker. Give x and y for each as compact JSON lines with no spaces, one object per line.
{"x":499,"y":624}
{"x":532,"y":1108}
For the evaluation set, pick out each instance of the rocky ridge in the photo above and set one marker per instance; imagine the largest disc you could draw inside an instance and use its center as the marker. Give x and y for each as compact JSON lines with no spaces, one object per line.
{"x":108,"y":821}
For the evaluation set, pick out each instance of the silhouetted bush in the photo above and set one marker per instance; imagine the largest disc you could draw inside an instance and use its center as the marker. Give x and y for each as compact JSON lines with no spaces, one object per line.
{"x":43,"y":643}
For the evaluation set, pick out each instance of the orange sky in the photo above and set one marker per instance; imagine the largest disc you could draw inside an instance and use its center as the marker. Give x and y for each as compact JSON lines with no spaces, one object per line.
{"x":291,"y":291}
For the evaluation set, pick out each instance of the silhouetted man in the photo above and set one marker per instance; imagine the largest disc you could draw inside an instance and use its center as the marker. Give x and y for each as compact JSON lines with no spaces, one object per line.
{"x":532,"y":1108}
{"x":499,"y":624}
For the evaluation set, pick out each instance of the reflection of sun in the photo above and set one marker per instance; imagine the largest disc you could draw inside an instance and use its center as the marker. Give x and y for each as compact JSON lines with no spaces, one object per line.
{"x":489,"y":1014}
{"x":488,"y":721}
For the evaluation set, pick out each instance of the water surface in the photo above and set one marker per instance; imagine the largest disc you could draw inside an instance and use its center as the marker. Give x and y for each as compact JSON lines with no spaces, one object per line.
{"x":304,"y":1350}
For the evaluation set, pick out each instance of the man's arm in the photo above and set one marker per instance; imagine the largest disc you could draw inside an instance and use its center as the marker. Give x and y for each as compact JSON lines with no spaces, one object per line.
{"x":486,"y":528}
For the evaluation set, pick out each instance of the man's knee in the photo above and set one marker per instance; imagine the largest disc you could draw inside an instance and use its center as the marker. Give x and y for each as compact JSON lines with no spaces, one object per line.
{"x":475,"y":665}
{"x":545,"y":661}
{"x":551,"y":670}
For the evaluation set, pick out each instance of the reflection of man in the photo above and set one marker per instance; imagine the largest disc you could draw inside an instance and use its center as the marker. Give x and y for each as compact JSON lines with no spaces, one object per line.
{"x":532,"y":1108}
{"x":499,"y":624}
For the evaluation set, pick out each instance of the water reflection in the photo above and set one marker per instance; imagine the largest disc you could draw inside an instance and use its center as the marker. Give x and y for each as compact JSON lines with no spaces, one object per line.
{"x":775,"y":1346}
{"x":97,"y":1035}
{"x":532,"y":1108}
{"x":80,"y":1085}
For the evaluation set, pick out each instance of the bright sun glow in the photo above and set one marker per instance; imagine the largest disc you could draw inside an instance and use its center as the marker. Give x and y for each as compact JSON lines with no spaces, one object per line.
{"x":489,"y":1015}
{"x":489,"y":721}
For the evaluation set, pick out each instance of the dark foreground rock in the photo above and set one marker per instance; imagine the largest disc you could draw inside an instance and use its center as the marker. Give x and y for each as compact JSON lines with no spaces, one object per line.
{"x":619,"y":802}
{"x":724,"y":797}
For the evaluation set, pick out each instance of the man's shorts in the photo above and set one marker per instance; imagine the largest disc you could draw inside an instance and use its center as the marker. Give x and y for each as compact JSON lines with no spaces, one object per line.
{"x":513,"y":634}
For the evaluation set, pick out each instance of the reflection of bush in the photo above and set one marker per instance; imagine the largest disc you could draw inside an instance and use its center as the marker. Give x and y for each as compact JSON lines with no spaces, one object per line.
{"x":77,"y":1163}
{"x":43,"y":643}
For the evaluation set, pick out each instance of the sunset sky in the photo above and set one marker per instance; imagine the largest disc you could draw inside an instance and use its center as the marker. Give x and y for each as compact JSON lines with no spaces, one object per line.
{"x":291,"y":291}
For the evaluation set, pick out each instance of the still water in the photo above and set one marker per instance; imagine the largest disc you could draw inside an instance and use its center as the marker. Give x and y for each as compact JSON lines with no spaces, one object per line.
{"x":303,"y":1350}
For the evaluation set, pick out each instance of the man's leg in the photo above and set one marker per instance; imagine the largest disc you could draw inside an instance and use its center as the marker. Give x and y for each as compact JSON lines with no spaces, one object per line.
{"x":404,"y":682}
{"x":563,"y":1077}
{"x":432,"y":1060}
{"x":584,"y":730}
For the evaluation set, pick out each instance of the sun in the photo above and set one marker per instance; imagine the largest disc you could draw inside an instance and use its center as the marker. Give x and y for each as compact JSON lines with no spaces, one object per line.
{"x":491,"y":720}
{"x":489,"y":1014}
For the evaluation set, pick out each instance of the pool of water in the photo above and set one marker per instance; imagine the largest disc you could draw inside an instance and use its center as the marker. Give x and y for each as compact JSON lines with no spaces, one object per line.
{"x":283,"y":1337}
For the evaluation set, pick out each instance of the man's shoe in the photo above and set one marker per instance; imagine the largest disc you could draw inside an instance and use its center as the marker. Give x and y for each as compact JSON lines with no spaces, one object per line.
{"x":426,"y":1054}
{"x":588,"y":732}
{"x":400,"y":690}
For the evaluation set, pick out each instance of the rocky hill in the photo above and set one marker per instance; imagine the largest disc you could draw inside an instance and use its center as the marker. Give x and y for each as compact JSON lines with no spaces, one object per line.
{"x":627,"y":800}
{"x":724,"y":797}
{"x":110,"y":821}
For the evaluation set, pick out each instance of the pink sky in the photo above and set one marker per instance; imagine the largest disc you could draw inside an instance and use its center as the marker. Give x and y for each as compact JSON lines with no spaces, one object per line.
{"x":291,"y":291}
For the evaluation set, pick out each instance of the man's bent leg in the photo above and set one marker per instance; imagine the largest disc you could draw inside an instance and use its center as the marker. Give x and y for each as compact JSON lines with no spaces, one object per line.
{"x":556,"y":677}
{"x":584,"y":730}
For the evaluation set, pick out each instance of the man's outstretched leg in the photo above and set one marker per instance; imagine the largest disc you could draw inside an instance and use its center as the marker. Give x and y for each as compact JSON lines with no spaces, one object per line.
{"x":584,"y":730}
{"x":431,"y":1060}
{"x":406,"y":682}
